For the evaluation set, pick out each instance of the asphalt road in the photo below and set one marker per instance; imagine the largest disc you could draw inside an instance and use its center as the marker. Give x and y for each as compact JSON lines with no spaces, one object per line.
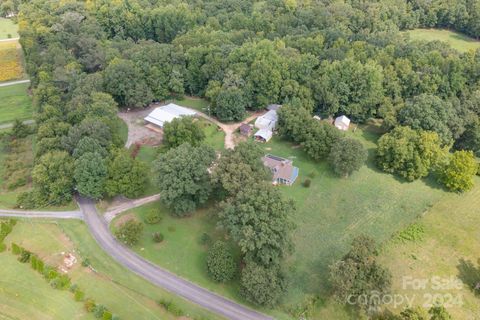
{"x":42,"y":214}
{"x":158,"y":276}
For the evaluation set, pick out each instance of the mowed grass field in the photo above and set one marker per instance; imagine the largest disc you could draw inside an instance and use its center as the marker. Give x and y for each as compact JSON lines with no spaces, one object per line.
{"x":11,"y":61}
{"x":330,"y":213}
{"x":24,"y":294}
{"x":15,"y":103}
{"x":450,"y":250}
{"x":456,"y":40}
{"x":198,"y":104}
{"x":8,"y":29}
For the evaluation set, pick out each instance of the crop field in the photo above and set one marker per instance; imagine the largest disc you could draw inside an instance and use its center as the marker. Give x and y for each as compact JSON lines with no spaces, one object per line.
{"x":11,"y":67}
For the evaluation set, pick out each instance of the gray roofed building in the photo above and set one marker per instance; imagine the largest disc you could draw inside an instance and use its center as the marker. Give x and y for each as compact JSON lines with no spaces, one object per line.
{"x":282,"y":169}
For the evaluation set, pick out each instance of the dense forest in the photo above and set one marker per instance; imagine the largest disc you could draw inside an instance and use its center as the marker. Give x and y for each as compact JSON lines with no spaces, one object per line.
{"x":87,"y":58}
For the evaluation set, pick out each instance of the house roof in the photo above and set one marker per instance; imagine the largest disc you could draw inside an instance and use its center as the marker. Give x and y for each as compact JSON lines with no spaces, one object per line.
{"x":282,"y":168}
{"x":167,"y":113}
{"x":266,"y":134}
{"x":342,"y":120}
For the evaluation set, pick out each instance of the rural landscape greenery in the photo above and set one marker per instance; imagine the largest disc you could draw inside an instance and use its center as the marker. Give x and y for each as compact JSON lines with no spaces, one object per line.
{"x":394,"y":196}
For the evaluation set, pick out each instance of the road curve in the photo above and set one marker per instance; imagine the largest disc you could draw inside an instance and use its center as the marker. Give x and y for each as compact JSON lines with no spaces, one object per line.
{"x":42,"y":214}
{"x":158,"y":276}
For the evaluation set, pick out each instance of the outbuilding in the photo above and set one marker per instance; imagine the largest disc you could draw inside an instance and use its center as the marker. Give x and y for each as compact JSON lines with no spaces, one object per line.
{"x":263,"y":135}
{"x":164,"y":114}
{"x":342,"y":123}
{"x":267,"y":121}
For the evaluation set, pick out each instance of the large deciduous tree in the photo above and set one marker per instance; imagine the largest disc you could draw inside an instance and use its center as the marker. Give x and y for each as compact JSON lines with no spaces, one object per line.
{"x":458,"y":173}
{"x":183,"y":130}
{"x":126,"y":176}
{"x":346,"y":156}
{"x":258,"y":218}
{"x":90,"y":175}
{"x":182,"y":176}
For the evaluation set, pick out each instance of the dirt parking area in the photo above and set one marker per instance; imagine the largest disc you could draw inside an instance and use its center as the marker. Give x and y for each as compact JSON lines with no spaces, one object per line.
{"x":137,"y":131}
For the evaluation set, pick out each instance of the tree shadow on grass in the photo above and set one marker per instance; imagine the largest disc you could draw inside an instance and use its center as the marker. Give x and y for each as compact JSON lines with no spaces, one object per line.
{"x":469,"y":273}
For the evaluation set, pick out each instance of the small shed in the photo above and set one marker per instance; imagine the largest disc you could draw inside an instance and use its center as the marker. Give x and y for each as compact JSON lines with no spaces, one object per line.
{"x":263,"y":135}
{"x":245,"y":129}
{"x":342,"y":123}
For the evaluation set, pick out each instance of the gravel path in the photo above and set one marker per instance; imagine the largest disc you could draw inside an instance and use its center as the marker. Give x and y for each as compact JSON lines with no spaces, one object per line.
{"x":128,"y":204}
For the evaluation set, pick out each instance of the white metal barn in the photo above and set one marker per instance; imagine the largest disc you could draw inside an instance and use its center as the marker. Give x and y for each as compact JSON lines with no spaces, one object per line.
{"x":164,"y":114}
{"x":342,"y":123}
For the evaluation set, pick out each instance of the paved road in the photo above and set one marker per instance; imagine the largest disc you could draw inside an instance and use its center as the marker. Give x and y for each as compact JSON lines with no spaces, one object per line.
{"x":158,"y":276}
{"x":42,"y":214}
{"x":9,"y":125}
{"x":12,"y":83}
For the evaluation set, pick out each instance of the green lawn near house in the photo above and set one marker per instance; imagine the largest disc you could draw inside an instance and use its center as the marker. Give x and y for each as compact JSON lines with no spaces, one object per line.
{"x":449,"y":250}
{"x":108,"y":283}
{"x":329,"y":214}
{"x":15,"y":103}
{"x":214,"y":136}
{"x":456,"y":40}
{"x":8,"y":29}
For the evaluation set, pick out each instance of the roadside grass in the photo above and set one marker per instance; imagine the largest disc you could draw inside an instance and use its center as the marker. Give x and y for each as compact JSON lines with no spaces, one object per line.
{"x":15,"y":103}
{"x":8,"y":29}
{"x":108,"y":283}
{"x":11,"y":61}
{"x":196,"y":103}
{"x":214,"y":136}
{"x":450,"y":250}
{"x":456,"y":40}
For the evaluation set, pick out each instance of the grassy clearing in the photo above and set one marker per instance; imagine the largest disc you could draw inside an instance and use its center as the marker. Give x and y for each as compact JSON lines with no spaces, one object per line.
{"x":11,"y":67}
{"x":450,"y":249}
{"x":107,"y":282}
{"x":194,"y":103}
{"x":329,"y":214}
{"x":8,"y":29}
{"x":15,"y":103}
{"x":214,"y":136}
{"x":456,"y":40}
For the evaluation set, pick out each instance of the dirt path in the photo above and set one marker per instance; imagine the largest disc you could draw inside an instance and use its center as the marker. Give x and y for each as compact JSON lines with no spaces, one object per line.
{"x":128,"y":204}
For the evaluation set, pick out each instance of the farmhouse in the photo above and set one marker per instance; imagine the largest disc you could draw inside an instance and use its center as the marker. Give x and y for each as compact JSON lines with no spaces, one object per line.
{"x":282,"y":169}
{"x":161,"y":115}
{"x":342,"y":123}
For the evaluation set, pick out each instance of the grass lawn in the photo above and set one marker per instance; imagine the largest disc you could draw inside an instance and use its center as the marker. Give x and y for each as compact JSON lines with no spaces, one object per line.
{"x":450,"y":249}
{"x":214,"y":136}
{"x":126,"y":294}
{"x":8,"y":29}
{"x":456,"y":40}
{"x":329,"y":214}
{"x":11,"y":61}
{"x":15,"y":103}
{"x":194,"y":103}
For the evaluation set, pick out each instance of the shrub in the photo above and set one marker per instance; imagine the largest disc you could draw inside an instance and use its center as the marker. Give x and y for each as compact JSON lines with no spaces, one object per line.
{"x":40,"y":265}
{"x":24,"y":256}
{"x":33,"y":262}
{"x":153,"y":217}
{"x":307,"y":183}
{"x":129,"y":232}
{"x":98,"y":311}
{"x":29,"y":200}
{"x":89,"y":304}
{"x":220,"y":263}
{"x":171,"y":307}
{"x":3,"y":247}
{"x":107,"y":315}
{"x":205,"y":239}
{"x":73,"y":288}
{"x":79,"y":295}
{"x":157,"y":237}
{"x":50,"y":273}
{"x":16,"y":250}
{"x":85,"y":262}
{"x":414,"y":232}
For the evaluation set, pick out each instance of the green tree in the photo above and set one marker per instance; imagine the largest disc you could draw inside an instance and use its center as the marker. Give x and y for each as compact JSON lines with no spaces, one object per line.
{"x":439,"y":312}
{"x":90,"y":175}
{"x":320,"y":138}
{"x":220,"y":263}
{"x":346,"y":156}
{"x":183,"y":130}
{"x":409,"y":153}
{"x":126,"y":176}
{"x":358,"y":274}
{"x":230,"y":104}
{"x":458,"y":173}
{"x":182,"y":176}
{"x":262,"y":285}
{"x":239,"y":168}
{"x":294,"y":123}
{"x":257,"y":217}
{"x":88,"y":144}
{"x":129,"y":232}
{"x":470,"y":139}
{"x":53,"y":177}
